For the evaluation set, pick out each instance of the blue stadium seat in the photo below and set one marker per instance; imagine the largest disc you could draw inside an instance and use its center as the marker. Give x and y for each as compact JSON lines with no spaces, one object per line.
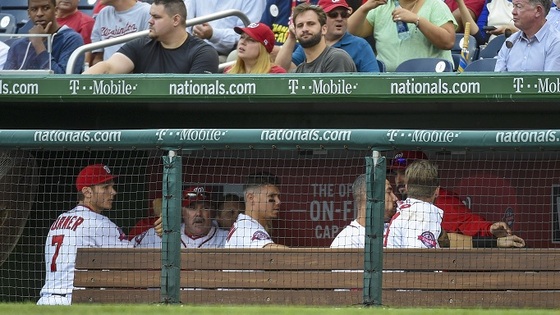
{"x":17,"y":8}
{"x":425,"y":65}
{"x":492,"y":48}
{"x":482,"y":65}
{"x":7,"y":25}
{"x":472,"y":46}
{"x":381,"y":65}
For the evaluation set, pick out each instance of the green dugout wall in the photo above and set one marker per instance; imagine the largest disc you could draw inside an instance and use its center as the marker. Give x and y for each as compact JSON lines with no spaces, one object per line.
{"x":458,"y":101}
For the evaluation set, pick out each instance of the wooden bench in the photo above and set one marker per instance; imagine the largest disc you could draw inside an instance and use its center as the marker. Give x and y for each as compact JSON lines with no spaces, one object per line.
{"x":443,"y":277}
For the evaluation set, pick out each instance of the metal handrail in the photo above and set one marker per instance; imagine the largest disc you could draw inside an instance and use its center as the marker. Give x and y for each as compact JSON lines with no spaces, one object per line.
{"x":128,"y":37}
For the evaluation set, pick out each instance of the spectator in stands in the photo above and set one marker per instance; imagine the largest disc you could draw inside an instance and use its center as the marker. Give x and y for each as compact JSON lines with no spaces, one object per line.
{"x":536,"y":47}
{"x":309,"y":29}
{"x":354,"y":234}
{"x":554,"y":14}
{"x":253,"y":51}
{"x":219,"y":33}
{"x":30,"y":53}
{"x":118,"y":18}
{"x":83,"y":226}
{"x":277,"y":15}
{"x":262,"y":204}
{"x":417,"y":223}
{"x":67,"y":13}
{"x":457,"y":217}
{"x":168,"y":49}
{"x":199,"y":229}
{"x":466,"y":16}
{"x":498,"y":14}
{"x":97,"y":8}
{"x":228,"y":210}
{"x":337,"y":12}
{"x":431,"y":29}
{"x":474,"y":7}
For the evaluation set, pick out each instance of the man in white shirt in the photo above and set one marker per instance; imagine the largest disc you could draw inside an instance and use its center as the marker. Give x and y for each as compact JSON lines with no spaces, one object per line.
{"x":83,"y":226}
{"x":199,"y":229}
{"x":417,"y":223}
{"x":354,"y":234}
{"x":262,"y":204}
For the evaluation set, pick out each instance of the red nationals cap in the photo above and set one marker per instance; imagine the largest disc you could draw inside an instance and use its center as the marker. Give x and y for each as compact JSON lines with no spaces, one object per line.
{"x":93,"y":175}
{"x":329,"y":5}
{"x":402,"y":159}
{"x":259,"y":32}
{"x":194,"y":194}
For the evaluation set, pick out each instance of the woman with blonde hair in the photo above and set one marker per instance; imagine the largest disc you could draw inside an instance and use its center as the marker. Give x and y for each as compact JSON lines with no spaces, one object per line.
{"x":253,"y":51}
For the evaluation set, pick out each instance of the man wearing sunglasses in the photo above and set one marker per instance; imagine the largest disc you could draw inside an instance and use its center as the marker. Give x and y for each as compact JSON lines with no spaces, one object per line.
{"x":337,"y":36}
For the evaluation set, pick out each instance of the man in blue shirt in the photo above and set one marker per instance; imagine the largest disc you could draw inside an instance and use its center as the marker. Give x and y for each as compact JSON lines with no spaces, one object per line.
{"x":536,"y":47}
{"x":31,"y":53}
{"x":336,"y":36}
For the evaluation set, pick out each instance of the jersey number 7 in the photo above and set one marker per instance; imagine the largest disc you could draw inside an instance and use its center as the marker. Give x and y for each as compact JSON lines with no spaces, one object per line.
{"x":56,"y":241}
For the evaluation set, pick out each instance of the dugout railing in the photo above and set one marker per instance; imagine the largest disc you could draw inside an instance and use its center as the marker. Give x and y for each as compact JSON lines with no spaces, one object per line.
{"x":515,"y":171}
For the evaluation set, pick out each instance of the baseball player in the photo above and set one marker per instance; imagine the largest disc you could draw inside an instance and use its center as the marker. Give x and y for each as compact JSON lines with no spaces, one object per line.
{"x":417,"y":223}
{"x":199,"y":229}
{"x":458,"y":218}
{"x":83,"y":226}
{"x":354,"y":234}
{"x":262,"y":204}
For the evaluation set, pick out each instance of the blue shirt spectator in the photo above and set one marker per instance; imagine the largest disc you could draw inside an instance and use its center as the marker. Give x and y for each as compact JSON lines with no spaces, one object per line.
{"x":22,"y":55}
{"x":523,"y":52}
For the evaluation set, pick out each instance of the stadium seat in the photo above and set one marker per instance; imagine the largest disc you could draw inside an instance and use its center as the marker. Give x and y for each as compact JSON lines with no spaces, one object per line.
{"x":425,"y":65}
{"x":7,"y":25}
{"x":18,"y":9}
{"x":492,"y":48}
{"x":472,"y":46}
{"x":482,"y":65}
{"x":381,"y":65}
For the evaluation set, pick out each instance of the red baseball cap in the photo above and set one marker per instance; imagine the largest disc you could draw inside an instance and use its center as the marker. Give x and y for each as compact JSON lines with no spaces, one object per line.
{"x":259,"y":32}
{"x":329,"y":5}
{"x":194,"y":194}
{"x":93,"y":175}
{"x":402,"y":159}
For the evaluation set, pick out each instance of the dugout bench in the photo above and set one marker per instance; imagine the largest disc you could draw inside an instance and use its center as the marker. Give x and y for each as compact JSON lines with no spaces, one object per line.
{"x":505,"y":278}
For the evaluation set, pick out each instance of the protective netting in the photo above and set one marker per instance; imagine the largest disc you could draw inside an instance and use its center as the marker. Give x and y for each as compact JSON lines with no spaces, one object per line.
{"x":316,"y":203}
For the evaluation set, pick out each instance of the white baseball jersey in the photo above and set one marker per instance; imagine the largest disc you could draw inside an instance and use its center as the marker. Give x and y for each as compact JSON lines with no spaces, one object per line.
{"x":352,"y":236}
{"x":216,"y":238}
{"x":79,"y":227}
{"x":247,"y":232}
{"x":417,"y":224}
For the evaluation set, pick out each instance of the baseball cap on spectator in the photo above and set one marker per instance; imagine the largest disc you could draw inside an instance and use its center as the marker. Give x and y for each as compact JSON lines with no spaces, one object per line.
{"x":329,"y":5}
{"x":194,"y":194}
{"x":402,"y":159}
{"x":93,"y":175}
{"x":259,"y":32}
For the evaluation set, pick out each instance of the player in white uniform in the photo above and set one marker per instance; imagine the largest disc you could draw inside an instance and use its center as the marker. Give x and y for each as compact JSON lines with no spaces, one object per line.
{"x":83,"y":226}
{"x":262,"y":204}
{"x":354,"y":234}
{"x":417,"y":223}
{"x":199,"y":229}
